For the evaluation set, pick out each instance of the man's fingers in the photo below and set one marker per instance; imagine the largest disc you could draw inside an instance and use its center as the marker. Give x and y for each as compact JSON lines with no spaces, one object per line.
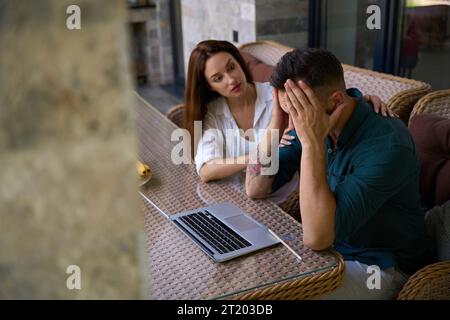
{"x":289,"y":103}
{"x":291,"y":100}
{"x":334,"y":117}
{"x":297,"y":94}
{"x":310,"y":95}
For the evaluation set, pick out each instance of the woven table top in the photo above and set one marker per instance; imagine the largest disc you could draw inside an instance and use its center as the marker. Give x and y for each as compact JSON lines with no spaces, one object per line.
{"x":177,"y":268}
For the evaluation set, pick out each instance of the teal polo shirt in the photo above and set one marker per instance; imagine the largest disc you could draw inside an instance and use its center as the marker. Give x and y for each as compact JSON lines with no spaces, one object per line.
{"x":373,"y":173}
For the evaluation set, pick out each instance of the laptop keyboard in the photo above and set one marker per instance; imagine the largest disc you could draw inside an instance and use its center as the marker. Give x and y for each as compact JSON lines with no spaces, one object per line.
{"x":217,"y":234}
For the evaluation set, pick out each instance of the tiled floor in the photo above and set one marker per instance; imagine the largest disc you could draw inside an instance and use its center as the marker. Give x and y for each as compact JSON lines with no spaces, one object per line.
{"x":161,"y":97}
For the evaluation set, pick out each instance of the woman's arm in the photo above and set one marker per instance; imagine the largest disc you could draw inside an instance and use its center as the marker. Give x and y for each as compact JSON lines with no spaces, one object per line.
{"x":258,"y":185}
{"x":221,"y":168}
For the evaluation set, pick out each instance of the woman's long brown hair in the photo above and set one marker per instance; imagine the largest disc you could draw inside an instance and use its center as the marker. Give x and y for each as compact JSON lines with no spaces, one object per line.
{"x":197,"y":94}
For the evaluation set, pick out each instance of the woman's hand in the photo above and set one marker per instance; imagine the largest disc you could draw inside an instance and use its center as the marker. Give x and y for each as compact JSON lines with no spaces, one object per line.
{"x":379,"y":106}
{"x":285,"y":139}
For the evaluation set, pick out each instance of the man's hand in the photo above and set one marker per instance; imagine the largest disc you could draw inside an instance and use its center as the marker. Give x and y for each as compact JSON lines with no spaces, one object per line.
{"x":317,"y":202}
{"x":310,"y":120}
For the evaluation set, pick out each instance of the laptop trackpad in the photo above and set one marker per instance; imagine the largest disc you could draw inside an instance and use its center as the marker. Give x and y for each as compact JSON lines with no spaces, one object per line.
{"x":241,"y":222}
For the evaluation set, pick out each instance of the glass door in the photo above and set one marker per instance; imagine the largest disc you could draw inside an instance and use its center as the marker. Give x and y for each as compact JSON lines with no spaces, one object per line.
{"x":413,"y":39}
{"x":361,"y":33}
{"x":425,"y":42}
{"x":344,"y":32}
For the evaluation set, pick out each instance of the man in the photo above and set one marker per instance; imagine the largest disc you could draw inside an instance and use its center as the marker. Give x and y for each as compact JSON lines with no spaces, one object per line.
{"x":359,"y":182}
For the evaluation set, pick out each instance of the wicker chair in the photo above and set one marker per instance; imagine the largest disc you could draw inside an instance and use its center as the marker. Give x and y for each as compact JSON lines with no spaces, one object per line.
{"x":429,"y":283}
{"x":433,"y":281}
{"x":400,"y":93}
{"x":292,"y":206}
{"x":175,"y":114}
{"x":437,"y":102}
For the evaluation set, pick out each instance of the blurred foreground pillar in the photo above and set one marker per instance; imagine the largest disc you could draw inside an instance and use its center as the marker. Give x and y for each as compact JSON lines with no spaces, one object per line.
{"x":68,"y":193}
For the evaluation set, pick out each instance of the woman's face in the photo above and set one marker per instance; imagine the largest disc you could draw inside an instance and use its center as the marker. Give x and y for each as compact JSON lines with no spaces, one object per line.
{"x":225,"y":76}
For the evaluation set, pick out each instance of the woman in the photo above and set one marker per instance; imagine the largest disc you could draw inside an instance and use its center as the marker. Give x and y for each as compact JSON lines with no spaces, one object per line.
{"x":220,"y":92}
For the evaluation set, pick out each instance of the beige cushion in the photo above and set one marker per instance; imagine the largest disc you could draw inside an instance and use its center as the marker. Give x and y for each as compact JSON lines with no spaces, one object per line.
{"x":260,"y":71}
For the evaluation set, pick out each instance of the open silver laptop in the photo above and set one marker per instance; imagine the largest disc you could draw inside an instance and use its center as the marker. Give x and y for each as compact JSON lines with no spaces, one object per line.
{"x":223,"y":231}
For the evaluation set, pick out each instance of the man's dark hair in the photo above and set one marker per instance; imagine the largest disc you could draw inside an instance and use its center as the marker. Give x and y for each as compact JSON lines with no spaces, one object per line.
{"x":317,"y":67}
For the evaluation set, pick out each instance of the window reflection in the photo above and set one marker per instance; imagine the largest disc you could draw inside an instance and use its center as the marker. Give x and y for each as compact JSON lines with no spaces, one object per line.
{"x":425,"y":47}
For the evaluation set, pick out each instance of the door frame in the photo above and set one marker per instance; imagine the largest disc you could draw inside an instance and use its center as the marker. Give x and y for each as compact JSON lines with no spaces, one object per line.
{"x":387,"y":42}
{"x":177,"y":41}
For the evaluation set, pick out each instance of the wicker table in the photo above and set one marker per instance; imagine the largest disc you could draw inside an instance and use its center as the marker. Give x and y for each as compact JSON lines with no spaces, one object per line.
{"x":178,"y":269}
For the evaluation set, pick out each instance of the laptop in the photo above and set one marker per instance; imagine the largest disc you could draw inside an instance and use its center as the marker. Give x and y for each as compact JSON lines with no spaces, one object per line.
{"x":223,"y":231}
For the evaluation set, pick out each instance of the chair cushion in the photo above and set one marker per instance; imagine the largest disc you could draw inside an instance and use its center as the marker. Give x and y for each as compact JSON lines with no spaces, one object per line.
{"x":431,"y":134}
{"x":260,"y":71}
{"x":437,"y":221}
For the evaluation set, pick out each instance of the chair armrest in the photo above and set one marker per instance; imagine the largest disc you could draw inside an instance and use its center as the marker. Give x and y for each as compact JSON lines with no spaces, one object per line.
{"x":429,"y":283}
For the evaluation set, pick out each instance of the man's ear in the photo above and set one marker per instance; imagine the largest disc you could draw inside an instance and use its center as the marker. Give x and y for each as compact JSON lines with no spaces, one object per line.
{"x":337,"y":98}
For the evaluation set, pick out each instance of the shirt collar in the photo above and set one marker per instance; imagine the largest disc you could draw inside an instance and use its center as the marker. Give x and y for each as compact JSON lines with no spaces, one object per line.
{"x":263,"y":97}
{"x":357,"y":118}
{"x":220,"y":107}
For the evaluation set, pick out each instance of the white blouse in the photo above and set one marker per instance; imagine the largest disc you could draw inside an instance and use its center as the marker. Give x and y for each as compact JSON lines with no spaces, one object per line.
{"x":220,"y":138}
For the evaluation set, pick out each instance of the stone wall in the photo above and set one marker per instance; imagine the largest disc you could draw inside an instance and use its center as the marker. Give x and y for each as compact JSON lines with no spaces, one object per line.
{"x":161,"y":44}
{"x":283,"y":21}
{"x":67,"y":149}
{"x":216,"y":19}
{"x":157,"y":41}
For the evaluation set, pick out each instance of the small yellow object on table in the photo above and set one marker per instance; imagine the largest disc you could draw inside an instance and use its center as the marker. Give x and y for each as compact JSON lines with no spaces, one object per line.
{"x":144,"y":172}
